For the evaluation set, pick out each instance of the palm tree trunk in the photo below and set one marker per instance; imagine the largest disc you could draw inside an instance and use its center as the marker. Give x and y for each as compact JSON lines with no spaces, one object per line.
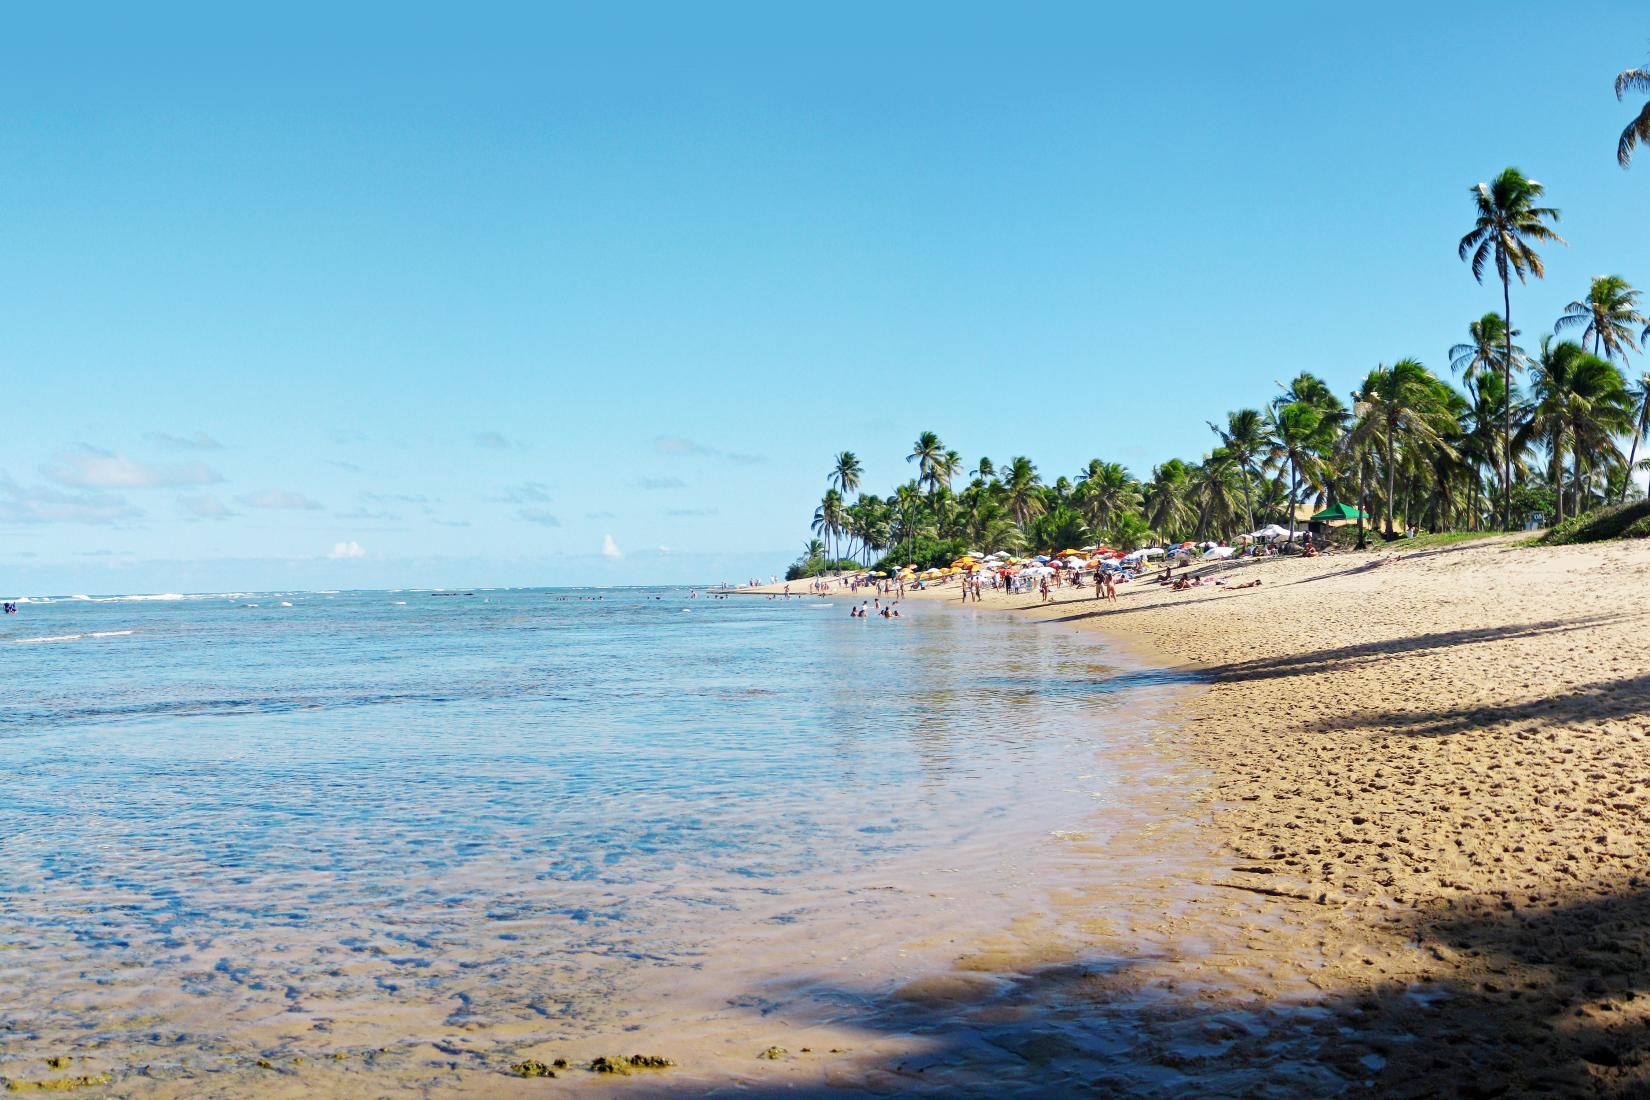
{"x":1632,"y":453}
{"x":1294,"y":478}
{"x":1506,"y":408}
{"x":1249,"y":505}
{"x":1391,"y":498}
{"x":1558,"y":477}
{"x":1363,"y":497}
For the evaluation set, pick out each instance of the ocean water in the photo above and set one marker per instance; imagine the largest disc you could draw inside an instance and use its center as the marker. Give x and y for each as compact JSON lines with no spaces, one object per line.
{"x":419,"y":833}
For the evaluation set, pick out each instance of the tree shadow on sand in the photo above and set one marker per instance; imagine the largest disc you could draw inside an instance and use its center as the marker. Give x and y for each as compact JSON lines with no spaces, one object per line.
{"x":1341,"y":658}
{"x":1547,"y":1001}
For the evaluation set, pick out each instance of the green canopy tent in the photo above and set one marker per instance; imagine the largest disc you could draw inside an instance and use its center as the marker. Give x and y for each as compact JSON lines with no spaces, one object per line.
{"x":1339,"y":513}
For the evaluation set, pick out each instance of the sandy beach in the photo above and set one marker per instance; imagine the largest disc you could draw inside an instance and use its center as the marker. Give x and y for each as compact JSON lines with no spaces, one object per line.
{"x":1426,"y":798}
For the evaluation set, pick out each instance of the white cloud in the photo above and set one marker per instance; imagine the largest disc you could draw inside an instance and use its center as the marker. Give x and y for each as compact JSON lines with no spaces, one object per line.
{"x":664,"y":549}
{"x":39,"y":504}
{"x":196,"y":441}
{"x":278,"y":498}
{"x":687,"y":448}
{"x":205,"y":506}
{"x":661,"y":483}
{"x":540,"y":516}
{"x":345,"y":551}
{"x":610,"y":549}
{"x":87,"y":467}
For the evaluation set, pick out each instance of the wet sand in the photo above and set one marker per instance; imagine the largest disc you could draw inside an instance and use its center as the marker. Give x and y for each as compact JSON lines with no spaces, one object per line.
{"x":1429,"y":783}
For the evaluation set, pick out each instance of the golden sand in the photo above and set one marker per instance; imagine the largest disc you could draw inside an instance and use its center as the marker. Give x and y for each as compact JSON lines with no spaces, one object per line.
{"x":1429,"y":792}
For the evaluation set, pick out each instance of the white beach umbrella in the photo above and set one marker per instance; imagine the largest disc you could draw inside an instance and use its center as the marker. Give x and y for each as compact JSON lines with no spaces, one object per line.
{"x":1219,"y":552}
{"x":1270,"y":531}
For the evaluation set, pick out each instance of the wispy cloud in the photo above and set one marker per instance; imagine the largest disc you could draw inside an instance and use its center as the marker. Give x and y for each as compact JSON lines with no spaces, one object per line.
{"x":195,"y":441}
{"x":205,"y":506}
{"x":40,"y":504}
{"x":495,"y":441}
{"x":661,"y":483}
{"x":599,"y":515}
{"x":279,"y":498}
{"x":340,"y":464}
{"x":395,"y":498}
{"x":540,"y":516}
{"x":88,"y":467}
{"x":528,"y":492}
{"x":610,"y":549}
{"x":384,"y":516}
{"x":346,"y":551}
{"x":690,"y":511}
{"x":687,"y":448}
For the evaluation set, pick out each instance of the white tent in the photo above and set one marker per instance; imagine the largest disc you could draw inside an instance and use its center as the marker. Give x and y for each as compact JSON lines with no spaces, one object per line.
{"x":1269,"y":532}
{"x":1218,"y":552}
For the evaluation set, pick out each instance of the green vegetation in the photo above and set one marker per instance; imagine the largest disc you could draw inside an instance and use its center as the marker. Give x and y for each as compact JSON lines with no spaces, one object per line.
{"x":1611,"y":522}
{"x":1410,"y":449}
{"x":532,"y":1068}
{"x":624,"y":1065}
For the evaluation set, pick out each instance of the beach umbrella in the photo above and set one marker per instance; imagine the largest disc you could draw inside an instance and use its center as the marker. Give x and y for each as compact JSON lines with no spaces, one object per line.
{"x":1218,"y":552}
{"x":1270,"y":531}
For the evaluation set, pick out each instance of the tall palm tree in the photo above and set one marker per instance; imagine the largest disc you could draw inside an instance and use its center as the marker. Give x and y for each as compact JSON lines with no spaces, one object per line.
{"x":1508,"y":225}
{"x":1244,"y":439}
{"x":846,"y":472}
{"x":1406,"y":409}
{"x":1485,"y":347}
{"x":829,"y":516}
{"x":1639,"y":392}
{"x":1607,"y":316}
{"x":1581,"y":405}
{"x":1297,"y":434}
{"x":1637,"y":80}
{"x":929,"y":455}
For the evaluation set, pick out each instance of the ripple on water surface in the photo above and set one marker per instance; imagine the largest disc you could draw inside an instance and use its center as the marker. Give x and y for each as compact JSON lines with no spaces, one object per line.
{"x":370,"y":818}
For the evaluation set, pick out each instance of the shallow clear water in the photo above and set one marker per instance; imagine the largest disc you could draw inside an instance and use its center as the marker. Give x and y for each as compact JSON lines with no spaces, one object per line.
{"x":317,"y":821}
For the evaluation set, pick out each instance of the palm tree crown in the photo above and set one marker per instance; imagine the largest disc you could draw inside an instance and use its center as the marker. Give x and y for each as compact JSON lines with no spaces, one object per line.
{"x":1607,"y":316}
{"x":1633,"y":80}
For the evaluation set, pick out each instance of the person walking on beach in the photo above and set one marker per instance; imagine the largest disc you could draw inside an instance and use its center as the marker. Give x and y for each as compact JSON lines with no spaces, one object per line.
{"x":1111,"y":587}
{"x":1099,"y":584}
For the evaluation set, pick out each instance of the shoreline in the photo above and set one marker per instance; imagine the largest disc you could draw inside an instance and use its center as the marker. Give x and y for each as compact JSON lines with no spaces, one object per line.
{"x":1428,"y":782}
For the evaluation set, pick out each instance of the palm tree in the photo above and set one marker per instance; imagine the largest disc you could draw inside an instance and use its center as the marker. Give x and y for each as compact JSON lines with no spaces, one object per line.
{"x":1404,"y":409}
{"x":1639,"y":393}
{"x":1297,"y":434}
{"x":846,"y":472}
{"x":1581,"y":405}
{"x":929,"y":455}
{"x":1484,"y":349}
{"x":1105,"y":493}
{"x":1021,"y":490}
{"x":1244,"y":438}
{"x":1639,"y":129}
{"x":828,"y":517}
{"x":1508,"y":223}
{"x":1213,"y":489}
{"x":1609,"y":313}
{"x":1165,"y":500}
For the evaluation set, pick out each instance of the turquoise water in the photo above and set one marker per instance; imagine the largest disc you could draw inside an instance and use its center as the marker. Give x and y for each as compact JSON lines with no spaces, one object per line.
{"x":321,"y":821}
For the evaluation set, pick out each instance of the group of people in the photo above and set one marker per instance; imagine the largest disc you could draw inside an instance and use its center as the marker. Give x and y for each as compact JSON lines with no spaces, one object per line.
{"x":865,"y":609}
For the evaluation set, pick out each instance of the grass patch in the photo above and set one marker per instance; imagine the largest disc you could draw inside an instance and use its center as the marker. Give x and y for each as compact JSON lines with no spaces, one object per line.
{"x":1442,"y":538}
{"x":1613,"y":522}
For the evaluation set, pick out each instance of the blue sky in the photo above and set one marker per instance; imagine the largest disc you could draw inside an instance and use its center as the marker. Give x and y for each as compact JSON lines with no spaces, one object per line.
{"x":405,"y":299}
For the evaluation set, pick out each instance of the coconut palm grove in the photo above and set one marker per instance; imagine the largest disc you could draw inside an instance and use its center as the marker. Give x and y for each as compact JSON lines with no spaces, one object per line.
{"x":1516,"y":428}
